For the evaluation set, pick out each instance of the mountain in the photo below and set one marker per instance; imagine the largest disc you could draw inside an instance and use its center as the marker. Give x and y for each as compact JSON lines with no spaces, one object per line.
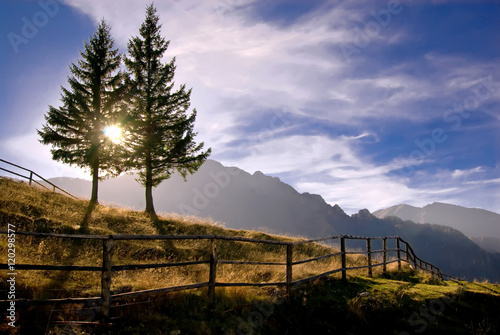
{"x":255,"y":201}
{"x":482,"y":226}
{"x":226,"y":194}
{"x":491,"y":244}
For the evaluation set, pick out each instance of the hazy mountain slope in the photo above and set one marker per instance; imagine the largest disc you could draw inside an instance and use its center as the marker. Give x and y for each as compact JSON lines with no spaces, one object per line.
{"x":472,"y":222}
{"x":243,"y":200}
{"x":225,"y":194}
{"x":490,"y":244}
{"x":403,"y":211}
{"x":481,"y":225}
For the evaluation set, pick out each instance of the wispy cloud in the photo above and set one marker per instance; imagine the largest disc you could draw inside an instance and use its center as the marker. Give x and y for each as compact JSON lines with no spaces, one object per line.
{"x":275,"y":93}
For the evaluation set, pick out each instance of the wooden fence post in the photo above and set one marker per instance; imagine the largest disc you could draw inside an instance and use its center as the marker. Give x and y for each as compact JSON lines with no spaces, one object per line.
{"x":398,"y":247}
{"x":289,"y":264}
{"x":407,"y":251}
{"x":384,"y":267}
{"x":31,"y":177}
{"x":107,"y":256}
{"x":343,"y":257}
{"x":213,"y":270}
{"x":369,"y":256}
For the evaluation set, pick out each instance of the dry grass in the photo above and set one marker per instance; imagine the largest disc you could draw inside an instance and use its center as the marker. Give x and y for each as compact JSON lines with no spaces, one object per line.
{"x":383,"y":302}
{"x":35,"y":210}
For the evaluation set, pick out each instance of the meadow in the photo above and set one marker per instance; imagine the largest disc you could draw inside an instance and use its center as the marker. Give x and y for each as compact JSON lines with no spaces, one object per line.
{"x":392,"y":302}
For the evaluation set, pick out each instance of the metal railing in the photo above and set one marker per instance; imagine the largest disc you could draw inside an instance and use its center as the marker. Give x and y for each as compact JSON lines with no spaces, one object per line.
{"x":31,"y":180}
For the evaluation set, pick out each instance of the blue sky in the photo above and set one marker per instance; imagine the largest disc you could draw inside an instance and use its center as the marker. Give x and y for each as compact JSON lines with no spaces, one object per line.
{"x":368,"y":103}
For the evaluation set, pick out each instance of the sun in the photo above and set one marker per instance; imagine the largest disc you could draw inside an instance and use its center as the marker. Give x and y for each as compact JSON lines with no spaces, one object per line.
{"x":114,"y":133}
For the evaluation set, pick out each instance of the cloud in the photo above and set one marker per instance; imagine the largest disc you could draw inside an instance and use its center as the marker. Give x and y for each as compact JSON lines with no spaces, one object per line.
{"x":466,"y":173}
{"x":375,"y":190}
{"x":245,"y":68}
{"x":226,"y":54}
{"x":330,"y":167}
{"x":302,"y":154}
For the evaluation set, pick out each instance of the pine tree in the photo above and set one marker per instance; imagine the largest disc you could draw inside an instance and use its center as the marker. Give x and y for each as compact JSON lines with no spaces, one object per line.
{"x":161,"y":131}
{"x":76,"y":130}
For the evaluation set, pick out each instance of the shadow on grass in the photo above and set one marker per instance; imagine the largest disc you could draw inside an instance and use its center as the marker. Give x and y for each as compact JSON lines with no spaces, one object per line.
{"x":60,"y":282}
{"x":84,"y":225}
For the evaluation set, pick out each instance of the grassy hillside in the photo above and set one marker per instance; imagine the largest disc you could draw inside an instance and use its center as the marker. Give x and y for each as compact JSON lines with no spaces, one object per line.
{"x":398,"y":302}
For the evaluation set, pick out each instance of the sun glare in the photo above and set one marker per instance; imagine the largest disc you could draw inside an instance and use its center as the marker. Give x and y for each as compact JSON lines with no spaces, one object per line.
{"x":114,"y":133}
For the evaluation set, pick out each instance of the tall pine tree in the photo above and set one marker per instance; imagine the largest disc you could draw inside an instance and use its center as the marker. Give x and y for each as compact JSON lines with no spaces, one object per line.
{"x":76,"y":129}
{"x":161,"y":131}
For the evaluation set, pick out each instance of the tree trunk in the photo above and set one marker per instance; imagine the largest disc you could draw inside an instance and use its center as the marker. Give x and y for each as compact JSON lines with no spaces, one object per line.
{"x":93,"y":198}
{"x":149,"y":188}
{"x":95,"y":181}
{"x":149,"y":199}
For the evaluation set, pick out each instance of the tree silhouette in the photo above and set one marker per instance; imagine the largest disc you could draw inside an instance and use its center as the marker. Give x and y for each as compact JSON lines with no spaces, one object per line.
{"x":76,"y":129}
{"x":161,"y":137}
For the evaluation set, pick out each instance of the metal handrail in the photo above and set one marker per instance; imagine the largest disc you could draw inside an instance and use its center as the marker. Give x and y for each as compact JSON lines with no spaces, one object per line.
{"x":31,"y":180}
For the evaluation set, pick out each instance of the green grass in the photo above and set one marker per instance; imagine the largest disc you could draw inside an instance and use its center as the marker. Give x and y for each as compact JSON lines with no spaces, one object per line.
{"x":399,"y":301}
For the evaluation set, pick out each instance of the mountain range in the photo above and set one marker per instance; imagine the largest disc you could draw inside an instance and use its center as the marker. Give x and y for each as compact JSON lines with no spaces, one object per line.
{"x":242,"y":200}
{"x":481,"y":226}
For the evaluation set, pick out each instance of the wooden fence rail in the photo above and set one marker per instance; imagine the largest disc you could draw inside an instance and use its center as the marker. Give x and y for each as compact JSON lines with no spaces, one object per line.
{"x":404,"y":254}
{"x":33,"y":174}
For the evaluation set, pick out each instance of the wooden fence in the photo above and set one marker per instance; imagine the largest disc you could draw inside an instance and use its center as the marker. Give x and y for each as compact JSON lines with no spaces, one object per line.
{"x":31,"y":179}
{"x":403,"y":252}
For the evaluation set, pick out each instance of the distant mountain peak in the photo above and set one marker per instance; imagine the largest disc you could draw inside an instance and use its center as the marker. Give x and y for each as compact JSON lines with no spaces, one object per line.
{"x":364,"y":214}
{"x":472,"y":222}
{"x":442,"y":204}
